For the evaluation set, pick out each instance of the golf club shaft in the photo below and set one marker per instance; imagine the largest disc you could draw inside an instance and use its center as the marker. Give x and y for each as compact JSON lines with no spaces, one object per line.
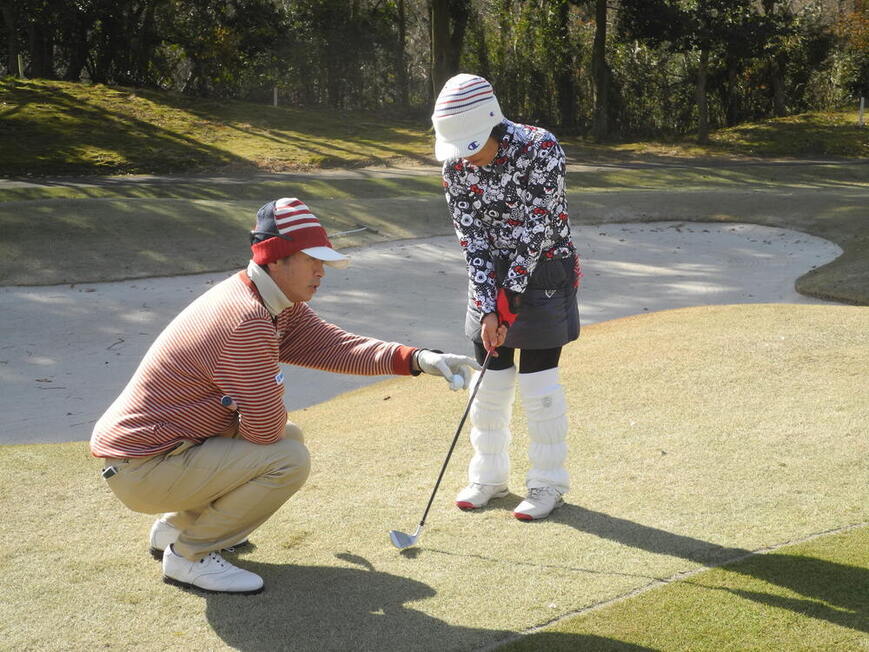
{"x":456,"y":436}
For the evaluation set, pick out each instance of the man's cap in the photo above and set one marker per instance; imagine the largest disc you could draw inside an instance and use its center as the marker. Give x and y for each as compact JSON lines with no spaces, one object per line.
{"x":286,"y":226}
{"x":465,"y":112}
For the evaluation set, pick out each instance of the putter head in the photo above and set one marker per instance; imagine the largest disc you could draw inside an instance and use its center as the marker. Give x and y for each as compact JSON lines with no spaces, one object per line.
{"x":401,"y":540}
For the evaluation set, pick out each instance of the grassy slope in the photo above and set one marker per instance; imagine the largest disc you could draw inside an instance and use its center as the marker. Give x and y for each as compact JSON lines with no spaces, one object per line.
{"x":66,"y":128}
{"x":51,"y":128}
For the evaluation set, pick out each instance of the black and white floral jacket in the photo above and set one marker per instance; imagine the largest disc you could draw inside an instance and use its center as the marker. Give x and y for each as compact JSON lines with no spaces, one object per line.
{"x":514,"y":209}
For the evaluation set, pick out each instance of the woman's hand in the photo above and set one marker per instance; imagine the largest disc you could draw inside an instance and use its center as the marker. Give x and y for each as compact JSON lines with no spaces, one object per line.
{"x":492,"y":333}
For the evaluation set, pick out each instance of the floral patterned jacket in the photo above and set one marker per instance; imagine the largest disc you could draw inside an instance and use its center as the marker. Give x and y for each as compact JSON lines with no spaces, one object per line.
{"x":514,"y":209}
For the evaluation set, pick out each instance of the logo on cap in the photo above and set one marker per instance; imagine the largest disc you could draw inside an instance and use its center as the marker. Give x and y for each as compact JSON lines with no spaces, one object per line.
{"x":473,"y":145}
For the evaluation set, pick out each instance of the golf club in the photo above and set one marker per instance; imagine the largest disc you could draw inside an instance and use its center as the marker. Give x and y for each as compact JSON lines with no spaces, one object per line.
{"x":402,"y":540}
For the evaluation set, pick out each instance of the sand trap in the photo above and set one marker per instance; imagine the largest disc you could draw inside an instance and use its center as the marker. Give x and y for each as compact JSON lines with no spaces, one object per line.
{"x":67,"y":351}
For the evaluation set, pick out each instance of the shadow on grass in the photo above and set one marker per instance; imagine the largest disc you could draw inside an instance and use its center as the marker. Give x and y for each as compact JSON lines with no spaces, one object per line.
{"x":327,"y":608}
{"x":124,"y":143}
{"x":795,"y":138}
{"x":178,"y":238}
{"x":558,"y":642}
{"x":328,"y":136}
{"x":834,"y":592}
{"x":844,"y":588}
{"x":258,"y":187}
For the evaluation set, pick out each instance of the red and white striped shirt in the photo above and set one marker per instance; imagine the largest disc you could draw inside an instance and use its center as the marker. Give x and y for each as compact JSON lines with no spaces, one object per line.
{"x":226,"y":343}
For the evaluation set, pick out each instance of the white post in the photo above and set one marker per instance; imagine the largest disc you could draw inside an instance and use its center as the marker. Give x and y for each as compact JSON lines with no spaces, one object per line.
{"x":862,"y":104}
{"x":21,"y":66}
{"x":275,"y":96}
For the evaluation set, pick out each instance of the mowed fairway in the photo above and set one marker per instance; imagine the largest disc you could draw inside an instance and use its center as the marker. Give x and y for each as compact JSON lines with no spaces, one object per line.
{"x":697,"y":437}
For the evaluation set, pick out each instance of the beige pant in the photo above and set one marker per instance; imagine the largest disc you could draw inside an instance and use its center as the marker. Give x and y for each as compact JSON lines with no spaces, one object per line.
{"x":217,"y":492}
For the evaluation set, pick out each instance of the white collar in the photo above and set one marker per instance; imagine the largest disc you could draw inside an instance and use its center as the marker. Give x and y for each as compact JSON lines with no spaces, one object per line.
{"x":274,"y":300}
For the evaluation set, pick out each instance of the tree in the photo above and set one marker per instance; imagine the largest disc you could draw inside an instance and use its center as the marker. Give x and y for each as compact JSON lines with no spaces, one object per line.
{"x":449,"y":18}
{"x":726,"y":29}
{"x":401,"y":56}
{"x":10,"y":22}
{"x":600,"y":73}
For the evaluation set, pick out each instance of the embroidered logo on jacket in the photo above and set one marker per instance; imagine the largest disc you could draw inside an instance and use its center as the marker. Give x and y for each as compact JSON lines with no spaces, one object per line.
{"x":279,"y":379}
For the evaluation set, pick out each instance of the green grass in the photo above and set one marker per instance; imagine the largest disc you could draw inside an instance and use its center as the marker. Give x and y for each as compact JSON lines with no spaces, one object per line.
{"x":415,"y":184}
{"x":827,"y":134}
{"x":697,"y":436}
{"x":57,"y":128}
{"x":811,"y":596}
{"x":821,"y":134}
{"x":62,"y":128}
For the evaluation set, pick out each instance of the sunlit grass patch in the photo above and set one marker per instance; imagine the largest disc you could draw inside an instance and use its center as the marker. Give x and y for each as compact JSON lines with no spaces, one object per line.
{"x":811,"y":596}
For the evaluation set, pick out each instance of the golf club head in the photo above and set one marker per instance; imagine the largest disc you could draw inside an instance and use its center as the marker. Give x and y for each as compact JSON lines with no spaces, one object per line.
{"x":401,"y":540}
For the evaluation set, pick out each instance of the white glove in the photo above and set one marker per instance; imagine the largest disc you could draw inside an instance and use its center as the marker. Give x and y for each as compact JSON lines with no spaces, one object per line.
{"x":456,"y":369}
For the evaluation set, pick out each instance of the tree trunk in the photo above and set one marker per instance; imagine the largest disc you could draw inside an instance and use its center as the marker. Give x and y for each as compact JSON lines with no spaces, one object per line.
{"x":79,"y":24}
{"x":10,"y":19}
{"x":779,"y":104}
{"x":565,"y":86}
{"x":401,"y":58}
{"x":599,"y":126}
{"x":40,"y":34}
{"x":732,"y":109}
{"x":440,"y":43}
{"x":482,"y":50}
{"x":449,"y":18}
{"x":702,"y":105}
{"x":776,"y":70}
{"x":147,"y":42}
{"x":459,"y":10}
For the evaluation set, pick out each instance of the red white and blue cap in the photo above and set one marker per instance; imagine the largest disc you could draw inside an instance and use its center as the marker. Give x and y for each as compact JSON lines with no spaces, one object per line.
{"x":286,"y":226}
{"x":465,"y":112}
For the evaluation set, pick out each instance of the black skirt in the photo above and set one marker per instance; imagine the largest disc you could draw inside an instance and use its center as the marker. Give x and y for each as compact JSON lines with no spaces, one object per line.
{"x":549,"y":315}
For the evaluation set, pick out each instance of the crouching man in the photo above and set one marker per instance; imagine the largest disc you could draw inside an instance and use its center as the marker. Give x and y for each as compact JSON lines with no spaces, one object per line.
{"x":200,"y":433}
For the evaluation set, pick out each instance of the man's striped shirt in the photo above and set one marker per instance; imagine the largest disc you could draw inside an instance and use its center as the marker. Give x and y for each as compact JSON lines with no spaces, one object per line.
{"x":226,"y":343}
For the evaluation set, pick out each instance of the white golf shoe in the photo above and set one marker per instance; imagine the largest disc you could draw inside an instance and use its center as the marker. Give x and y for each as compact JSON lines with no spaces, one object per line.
{"x":164,"y":534}
{"x":211,"y":573}
{"x":539,"y":503}
{"x":476,"y":495}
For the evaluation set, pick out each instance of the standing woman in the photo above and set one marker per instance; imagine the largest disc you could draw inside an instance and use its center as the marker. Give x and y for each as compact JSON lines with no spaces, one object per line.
{"x":504,"y":185}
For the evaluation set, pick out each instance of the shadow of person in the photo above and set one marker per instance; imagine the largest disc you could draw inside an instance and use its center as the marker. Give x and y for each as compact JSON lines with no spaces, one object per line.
{"x":329,"y":608}
{"x":563,"y":642}
{"x":643,"y":537}
{"x":837,"y":593}
{"x":842,"y":586}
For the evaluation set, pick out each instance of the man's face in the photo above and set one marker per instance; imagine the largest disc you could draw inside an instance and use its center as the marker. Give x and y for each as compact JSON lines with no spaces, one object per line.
{"x":486,"y":155}
{"x":298,"y":276}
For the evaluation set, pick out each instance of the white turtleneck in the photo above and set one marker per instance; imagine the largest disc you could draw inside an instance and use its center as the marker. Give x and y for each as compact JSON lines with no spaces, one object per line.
{"x":274,"y":300}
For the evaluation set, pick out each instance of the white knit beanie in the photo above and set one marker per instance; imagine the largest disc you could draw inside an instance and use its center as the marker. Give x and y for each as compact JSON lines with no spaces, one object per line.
{"x":464,"y":114}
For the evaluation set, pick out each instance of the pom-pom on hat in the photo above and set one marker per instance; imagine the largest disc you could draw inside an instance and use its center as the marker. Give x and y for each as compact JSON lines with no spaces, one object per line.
{"x":464,"y":114}
{"x":286,"y":226}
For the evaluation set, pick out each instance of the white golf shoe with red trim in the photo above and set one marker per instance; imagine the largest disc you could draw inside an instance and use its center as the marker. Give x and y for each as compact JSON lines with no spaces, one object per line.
{"x":539,"y":503}
{"x":477,"y":495}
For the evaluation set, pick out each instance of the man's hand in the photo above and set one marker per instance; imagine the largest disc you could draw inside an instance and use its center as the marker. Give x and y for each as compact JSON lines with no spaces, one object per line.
{"x":456,"y":369}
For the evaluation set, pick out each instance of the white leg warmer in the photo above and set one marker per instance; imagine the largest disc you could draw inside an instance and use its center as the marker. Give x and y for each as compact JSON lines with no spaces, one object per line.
{"x":546,"y":411}
{"x":490,"y":427}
